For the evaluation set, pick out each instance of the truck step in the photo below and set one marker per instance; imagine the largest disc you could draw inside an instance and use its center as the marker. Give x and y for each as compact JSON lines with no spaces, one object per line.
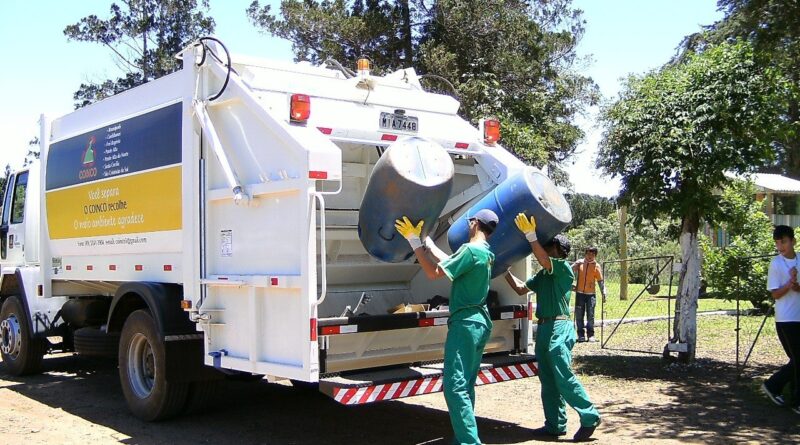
{"x":397,"y":383}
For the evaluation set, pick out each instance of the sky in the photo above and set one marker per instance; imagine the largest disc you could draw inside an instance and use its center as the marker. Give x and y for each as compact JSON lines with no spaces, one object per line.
{"x":40,"y":69}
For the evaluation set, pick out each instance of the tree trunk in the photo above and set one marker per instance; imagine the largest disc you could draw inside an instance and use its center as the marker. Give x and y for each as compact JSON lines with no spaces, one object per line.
{"x":408,"y":45}
{"x":623,"y":253}
{"x":685,"y":328}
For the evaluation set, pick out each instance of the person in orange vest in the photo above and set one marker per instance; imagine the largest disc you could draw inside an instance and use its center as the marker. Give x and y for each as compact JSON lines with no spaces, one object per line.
{"x":588,"y":275}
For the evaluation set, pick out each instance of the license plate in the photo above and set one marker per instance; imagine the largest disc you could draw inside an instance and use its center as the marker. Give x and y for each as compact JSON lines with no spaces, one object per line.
{"x":399,"y":122}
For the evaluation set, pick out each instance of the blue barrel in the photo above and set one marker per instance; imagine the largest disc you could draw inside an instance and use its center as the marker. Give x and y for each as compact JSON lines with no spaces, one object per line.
{"x":528,"y":191}
{"x":412,"y":178}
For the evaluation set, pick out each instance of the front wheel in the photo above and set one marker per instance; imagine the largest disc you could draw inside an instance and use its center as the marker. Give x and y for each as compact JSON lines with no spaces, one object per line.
{"x":142,"y":371}
{"x":22,"y":354}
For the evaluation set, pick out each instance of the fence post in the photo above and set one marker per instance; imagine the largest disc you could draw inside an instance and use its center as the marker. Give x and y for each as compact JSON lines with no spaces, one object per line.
{"x":623,"y":253}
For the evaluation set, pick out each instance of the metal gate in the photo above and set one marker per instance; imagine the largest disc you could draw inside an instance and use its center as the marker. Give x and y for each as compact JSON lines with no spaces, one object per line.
{"x":650,"y":281}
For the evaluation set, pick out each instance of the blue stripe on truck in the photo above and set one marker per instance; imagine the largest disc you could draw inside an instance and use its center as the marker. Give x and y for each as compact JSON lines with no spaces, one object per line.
{"x":140,"y":143}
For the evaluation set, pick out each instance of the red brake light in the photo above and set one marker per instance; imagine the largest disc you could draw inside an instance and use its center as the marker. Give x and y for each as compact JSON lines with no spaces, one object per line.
{"x":300,"y":108}
{"x":491,"y":130}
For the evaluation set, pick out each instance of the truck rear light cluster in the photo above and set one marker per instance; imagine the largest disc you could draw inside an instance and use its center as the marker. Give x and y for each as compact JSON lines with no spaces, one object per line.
{"x":491,"y":130}
{"x":300,"y":109}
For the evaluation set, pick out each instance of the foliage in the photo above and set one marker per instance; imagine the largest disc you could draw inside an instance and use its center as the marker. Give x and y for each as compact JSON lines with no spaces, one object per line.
{"x":773,"y":28}
{"x":732,"y":272}
{"x":508,"y":58}
{"x":585,"y":206}
{"x":3,"y":182}
{"x":646,"y":240}
{"x":33,"y":151}
{"x":674,"y":133}
{"x":144,"y":36}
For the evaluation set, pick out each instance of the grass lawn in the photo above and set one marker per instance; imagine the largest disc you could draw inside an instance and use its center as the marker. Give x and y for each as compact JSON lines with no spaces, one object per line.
{"x":652,"y":305}
{"x":716,"y":339}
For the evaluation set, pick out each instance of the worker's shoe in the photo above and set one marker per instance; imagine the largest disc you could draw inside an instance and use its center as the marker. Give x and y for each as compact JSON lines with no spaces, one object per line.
{"x":592,"y":339}
{"x":584,"y":433}
{"x":581,"y":339}
{"x":776,"y":398}
{"x":544,"y":432}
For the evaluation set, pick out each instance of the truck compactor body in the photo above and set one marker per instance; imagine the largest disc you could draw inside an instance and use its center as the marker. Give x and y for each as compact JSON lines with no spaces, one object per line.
{"x":206,"y":223}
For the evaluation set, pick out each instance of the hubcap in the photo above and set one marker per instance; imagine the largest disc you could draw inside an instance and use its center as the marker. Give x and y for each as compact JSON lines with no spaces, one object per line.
{"x":141,"y":366}
{"x":10,"y":337}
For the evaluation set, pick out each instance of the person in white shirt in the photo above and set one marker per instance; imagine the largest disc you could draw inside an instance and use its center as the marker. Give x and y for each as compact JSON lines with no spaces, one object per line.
{"x":783,"y":285}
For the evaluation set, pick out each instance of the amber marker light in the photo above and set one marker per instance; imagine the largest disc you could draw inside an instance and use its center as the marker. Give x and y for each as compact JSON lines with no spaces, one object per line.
{"x":300,"y":109}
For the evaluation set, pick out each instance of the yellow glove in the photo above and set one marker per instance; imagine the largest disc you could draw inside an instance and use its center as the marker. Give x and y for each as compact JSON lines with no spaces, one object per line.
{"x":528,"y":227}
{"x":409,"y":231}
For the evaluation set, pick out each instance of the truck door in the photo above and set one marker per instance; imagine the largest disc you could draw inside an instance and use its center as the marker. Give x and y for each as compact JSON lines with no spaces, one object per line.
{"x":4,"y":222}
{"x":12,"y":229}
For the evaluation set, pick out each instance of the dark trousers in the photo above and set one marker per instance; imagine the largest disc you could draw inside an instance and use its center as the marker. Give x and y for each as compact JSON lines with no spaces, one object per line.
{"x":789,"y":335}
{"x":584,"y":304}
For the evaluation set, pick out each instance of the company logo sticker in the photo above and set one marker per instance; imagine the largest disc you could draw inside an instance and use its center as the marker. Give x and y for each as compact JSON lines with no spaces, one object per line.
{"x":87,"y":159}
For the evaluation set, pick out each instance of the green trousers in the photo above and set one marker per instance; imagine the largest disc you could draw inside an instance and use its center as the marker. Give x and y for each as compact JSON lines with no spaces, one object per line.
{"x":554,"y":342}
{"x":463,"y":350}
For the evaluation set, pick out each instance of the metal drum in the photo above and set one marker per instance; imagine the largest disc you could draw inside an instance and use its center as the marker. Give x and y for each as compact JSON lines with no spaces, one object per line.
{"x":412,"y":178}
{"x":528,"y":191}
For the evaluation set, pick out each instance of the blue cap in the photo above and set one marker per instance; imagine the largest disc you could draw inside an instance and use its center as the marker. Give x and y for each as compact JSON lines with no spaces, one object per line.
{"x":487,"y":217}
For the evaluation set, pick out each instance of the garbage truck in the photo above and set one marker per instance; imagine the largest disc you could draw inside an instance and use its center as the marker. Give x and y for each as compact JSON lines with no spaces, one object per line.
{"x":206,"y":224}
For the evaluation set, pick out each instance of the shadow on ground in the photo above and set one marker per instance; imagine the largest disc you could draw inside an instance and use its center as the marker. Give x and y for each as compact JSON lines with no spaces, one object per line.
{"x":710,"y":404}
{"x":244,"y":412}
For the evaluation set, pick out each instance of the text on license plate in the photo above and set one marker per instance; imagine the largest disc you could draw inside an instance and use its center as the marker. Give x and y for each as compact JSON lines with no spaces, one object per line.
{"x":399,"y":122}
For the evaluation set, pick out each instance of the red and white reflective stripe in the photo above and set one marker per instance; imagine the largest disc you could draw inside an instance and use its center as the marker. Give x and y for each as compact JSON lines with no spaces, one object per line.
{"x":506,"y":373}
{"x":428,"y":385}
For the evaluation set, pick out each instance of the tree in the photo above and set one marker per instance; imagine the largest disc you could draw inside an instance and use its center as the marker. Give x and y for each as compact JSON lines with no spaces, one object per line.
{"x":33,"y":151}
{"x":773,"y":28}
{"x":585,"y":206}
{"x":144,"y":36}
{"x":3,"y":182}
{"x":508,"y":58}
{"x":732,"y":271}
{"x":673,"y":134}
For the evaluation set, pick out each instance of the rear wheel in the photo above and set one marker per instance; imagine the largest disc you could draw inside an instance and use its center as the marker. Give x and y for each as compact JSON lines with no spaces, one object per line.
{"x":142,"y":371}
{"x":22,"y":354}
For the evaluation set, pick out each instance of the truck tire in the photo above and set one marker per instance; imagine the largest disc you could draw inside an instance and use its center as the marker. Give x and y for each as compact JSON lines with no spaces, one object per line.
{"x":142,"y":371}
{"x":201,"y":395}
{"x":22,"y":354}
{"x":94,"y":342}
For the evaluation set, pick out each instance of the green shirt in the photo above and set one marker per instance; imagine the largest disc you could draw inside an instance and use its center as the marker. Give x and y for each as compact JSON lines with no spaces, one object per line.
{"x":470,"y":270}
{"x":552,"y":289}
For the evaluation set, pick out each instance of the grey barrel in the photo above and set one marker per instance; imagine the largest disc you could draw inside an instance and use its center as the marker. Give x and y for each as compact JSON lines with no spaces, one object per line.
{"x":413,"y":178}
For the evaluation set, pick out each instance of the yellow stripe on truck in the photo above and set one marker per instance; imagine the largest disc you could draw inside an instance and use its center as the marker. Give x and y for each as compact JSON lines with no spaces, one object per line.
{"x":142,"y":202}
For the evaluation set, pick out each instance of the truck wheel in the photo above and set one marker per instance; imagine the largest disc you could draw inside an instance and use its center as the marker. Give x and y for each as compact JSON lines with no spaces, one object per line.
{"x":142,"y":371}
{"x":21,"y":353}
{"x":201,"y":394}
{"x":96,"y":343}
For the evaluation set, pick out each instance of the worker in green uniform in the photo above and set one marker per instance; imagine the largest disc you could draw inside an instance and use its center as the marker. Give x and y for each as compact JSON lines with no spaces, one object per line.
{"x":555,"y":335}
{"x":469,"y":325}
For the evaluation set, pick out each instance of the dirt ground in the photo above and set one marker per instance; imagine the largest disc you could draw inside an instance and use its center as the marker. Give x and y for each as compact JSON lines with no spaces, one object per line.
{"x":641,"y":398}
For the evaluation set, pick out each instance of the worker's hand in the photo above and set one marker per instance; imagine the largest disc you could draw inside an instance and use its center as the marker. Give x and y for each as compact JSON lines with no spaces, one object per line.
{"x":409,"y":231}
{"x":528,"y":227}
{"x":793,"y":275}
